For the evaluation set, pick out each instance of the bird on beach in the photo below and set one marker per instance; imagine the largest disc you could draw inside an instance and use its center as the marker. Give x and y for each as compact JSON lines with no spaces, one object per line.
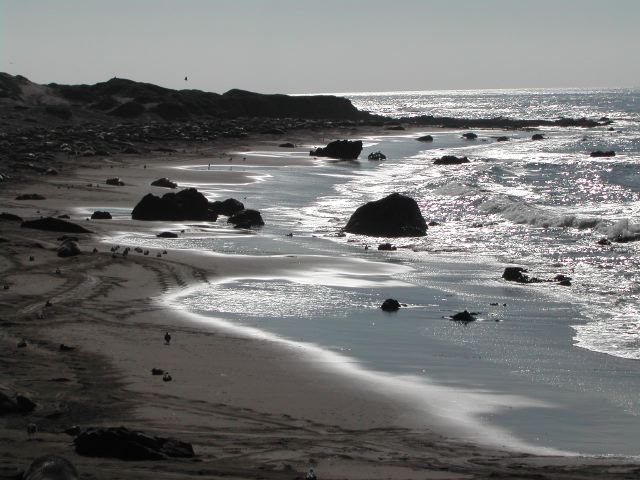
{"x":167,"y":338}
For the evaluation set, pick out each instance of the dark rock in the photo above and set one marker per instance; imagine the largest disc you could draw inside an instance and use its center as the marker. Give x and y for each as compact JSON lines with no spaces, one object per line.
{"x":125,"y":444}
{"x":10,"y":217}
{"x":464,"y":317}
{"x":51,"y":467}
{"x":246,"y":218}
{"x":387,"y":247}
{"x":425,"y":138}
{"x":502,"y":139}
{"x":599,"y":153}
{"x":30,"y":196}
{"x":515,"y":274}
{"x":565,"y":283}
{"x":537,"y":136}
{"x":115,"y":182}
{"x":395,"y":127}
{"x":188,"y":204}
{"x":64,"y":216}
{"x":340,"y":149}
{"x":66,"y":348}
{"x":157,"y":371}
{"x":433,"y":223}
{"x":164,"y":182}
{"x":393,"y":216}
{"x":604,"y":242}
{"x":98,"y":215}
{"x":227,"y":207}
{"x":15,"y":403}
{"x":450,"y":160}
{"x":69,"y":248}
{"x":469,"y":136}
{"x":54,"y":225}
{"x":390,"y":305}
{"x":167,"y":235}
{"x":287,"y":145}
{"x":377,"y":156}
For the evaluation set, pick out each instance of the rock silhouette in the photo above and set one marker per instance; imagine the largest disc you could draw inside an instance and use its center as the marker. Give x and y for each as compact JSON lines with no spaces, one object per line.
{"x":393,"y":216}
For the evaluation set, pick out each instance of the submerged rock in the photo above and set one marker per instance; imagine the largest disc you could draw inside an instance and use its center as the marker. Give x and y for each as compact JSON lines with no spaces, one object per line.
{"x":515,"y":274}
{"x":167,"y":235}
{"x":287,"y":145}
{"x":450,"y":160}
{"x":340,"y":149}
{"x":30,"y":196}
{"x":125,"y":444}
{"x":502,"y":139}
{"x":390,"y":305}
{"x":115,"y":181}
{"x":10,"y":217}
{"x":393,"y":216}
{"x":387,"y":247}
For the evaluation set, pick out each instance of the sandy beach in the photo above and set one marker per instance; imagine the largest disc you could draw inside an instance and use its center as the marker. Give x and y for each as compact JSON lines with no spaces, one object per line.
{"x":251,"y":407}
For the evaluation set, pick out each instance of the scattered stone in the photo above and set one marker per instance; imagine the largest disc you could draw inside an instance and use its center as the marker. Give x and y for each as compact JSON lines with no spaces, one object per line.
{"x":51,"y":467}
{"x":167,"y":235}
{"x":425,"y":138}
{"x":450,"y":160}
{"x":115,"y":181}
{"x":166,"y":377}
{"x":604,"y":242}
{"x":502,"y":139}
{"x":537,"y":136}
{"x":377,"y":156}
{"x":396,"y":215}
{"x":98,"y":215}
{"x":390,"y":305}
{"x":164,"y":182}
{"x":469,"y":136}
{"x":30,"y":196}
{"x":157,"y":371}
{"x":54,"y":225}
{"x":464,"y":317}
{"x":125,"y":444}
{"x":66,"y":348}
{"x":246,"y":218}
{"x":287,"y":145}
{"x":599,"y":153}
{"x":387,"y":247}
{"x":339,"y":149}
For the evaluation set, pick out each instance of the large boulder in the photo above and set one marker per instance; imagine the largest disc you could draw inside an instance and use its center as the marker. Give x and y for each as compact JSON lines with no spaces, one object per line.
{"x":164,"y":182}
{"x":227,"y":207}
{"x":246,"y":218}
{"x":393,"y":216}
{"x":450,"y":160}
{"x":51,"y":467}
{"x":12,"y":403}
{"x":188,"y":204}
{"x":100,"y":215}
{"x":125,"y":444}
{"x":390,"y":305}
{"x":340,"y":149}
{"x":425,"y":138}
{"x":69,"y":248}
{"x":54,"y":225}
{"x":599,"y":153}
{"x":469,"y":136}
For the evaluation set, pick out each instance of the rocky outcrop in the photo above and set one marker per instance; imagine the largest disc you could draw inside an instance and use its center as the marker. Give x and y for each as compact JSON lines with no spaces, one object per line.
{"x":537,"y":136}
{"x":188,"y":204}
{"x":125,"y":444}
{"x":376,"y":156}
{"x":393,"y":216}
{"x":164,"y":182}
{"x":100,"y":215}
{"x":340,"y":149}
{"x":599,"y":153}
{"x":450,"y":160}
{"x":115,"y":181}
{"x":425,"y":138}
{"x":54,"y":225}
{"x":387,"y":247}
{"x":464,"y":317}
{"x":469,"y":136}
{"x":287,"y":145}
{"x":69,"y":248}
{"x":51,"y":467}
{"x":30,"y":196}
{"x":390,"y":305}
{"x":246,"y":218}
{"x":227,"y":207}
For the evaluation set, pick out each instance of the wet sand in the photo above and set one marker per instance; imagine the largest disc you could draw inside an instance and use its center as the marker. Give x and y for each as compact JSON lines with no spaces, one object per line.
{"x":251,"y":408}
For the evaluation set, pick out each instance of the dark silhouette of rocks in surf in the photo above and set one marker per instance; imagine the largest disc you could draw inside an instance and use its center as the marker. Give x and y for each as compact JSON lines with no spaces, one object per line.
{"x":287,"y":145}
{"x":464,"y":317}
{"x":390,"y":305}
{"x":227,"y":207}
{"x":54,"y":225}
{"x":167,"y":235}
{"x":387,"y":247}
{"x":376,"y":156}
{"x":188,"y":204}
{"x":395,"y":127}
{"x":10,"y":217}
{"x":30,"y":196}
{"x":339,"y":149}
{"x":537,"y":136}
{"x":100,"y":215}
{"x":164,"y":182}
{"x":469,"y":136}
{"x":395,"y":215}
{"x":425,"y":138}
{"x":502,"y":139}
{"x":600,"y":153}
{"x":450,"y":160}
{"x":246,"y":218}
{"x":518,"y":274}
{"x":69,"y":248}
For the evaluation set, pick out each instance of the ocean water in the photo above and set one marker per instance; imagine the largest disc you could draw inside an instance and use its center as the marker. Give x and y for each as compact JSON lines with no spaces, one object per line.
{"x":545,"y":366}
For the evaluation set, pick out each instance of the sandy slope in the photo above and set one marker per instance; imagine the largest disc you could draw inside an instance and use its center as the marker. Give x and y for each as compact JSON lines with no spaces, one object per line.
{"x":252,"y":409}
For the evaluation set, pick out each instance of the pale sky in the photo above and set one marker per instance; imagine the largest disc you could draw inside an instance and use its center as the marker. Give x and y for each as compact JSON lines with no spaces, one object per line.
{"x":304,"y":46}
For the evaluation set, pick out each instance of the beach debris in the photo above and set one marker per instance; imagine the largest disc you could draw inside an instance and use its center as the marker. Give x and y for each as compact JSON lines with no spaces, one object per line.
{"x":158,"y":255}
{"x":287,"y":145}
{"x":339,"y":149}
{"x":125,"y":444}
{"x":164,"y":252}
{"x":187,"y":204}
{"x":387,"y":247}
{"x":502,"y":139}
{"x":115,"y":181}
{"x":450,"y":160}
{"x":157,"y":371}
{"x":537,"y":136}
{"x":166,"y":377}
{"x":32,"y":430}
{"x":51,"y":467}
{"x":54,"y":225}
{"x":66,"y":348}
{"x":469,"y":136}
{"x":395,"y":215}
{"x":390,"y":305}
{"x":377,"y":156}
{"x":600,"y":153}
{"x":246,"y":218}
{"x":167,"y":338}
{"x":69,"y":248}
{"x":425,"y":138}
{"x":167,"y":235}
{"x":30,"y":196}
{"x":100,"y":215}
{"x":228,"y":207}
{"x":164,"y":182}
{"x":464,"y":317}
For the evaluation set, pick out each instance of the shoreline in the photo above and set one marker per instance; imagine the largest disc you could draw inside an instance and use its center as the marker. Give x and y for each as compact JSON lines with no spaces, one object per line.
{"x":144,"y":319}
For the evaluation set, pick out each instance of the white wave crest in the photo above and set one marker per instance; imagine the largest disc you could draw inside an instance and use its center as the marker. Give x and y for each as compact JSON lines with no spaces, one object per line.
{"x":524,"y":214}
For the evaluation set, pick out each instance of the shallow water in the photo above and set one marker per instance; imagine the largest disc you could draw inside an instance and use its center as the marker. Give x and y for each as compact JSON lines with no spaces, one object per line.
{"x":571,"y":351}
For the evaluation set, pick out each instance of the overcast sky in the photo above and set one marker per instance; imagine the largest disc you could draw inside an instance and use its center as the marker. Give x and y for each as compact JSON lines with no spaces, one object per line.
{"x":304,"y":46}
